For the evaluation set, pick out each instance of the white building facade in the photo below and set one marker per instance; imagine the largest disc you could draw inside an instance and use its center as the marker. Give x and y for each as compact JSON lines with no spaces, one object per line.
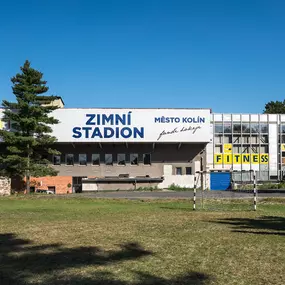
{"x":113,"y":149}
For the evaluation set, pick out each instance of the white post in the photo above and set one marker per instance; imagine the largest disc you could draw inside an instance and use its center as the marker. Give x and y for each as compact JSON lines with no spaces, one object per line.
{"x":254,"y":191}
{"x":202,"y":189}
{"x":194,"y":197}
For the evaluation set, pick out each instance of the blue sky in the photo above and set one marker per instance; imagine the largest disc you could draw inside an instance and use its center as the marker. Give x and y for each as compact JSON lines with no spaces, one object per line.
{"x":225,"y":55}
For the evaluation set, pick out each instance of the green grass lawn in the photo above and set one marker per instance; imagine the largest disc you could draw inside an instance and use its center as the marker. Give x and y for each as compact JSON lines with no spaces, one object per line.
{"x":91,"y":241}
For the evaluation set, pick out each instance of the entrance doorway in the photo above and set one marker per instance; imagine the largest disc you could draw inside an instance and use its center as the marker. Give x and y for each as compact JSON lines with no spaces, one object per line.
{"x":77,"y":184}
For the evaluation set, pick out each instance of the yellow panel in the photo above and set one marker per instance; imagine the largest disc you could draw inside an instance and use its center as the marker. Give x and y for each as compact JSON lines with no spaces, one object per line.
{"x":245,"y":158}
{"x":264,"y":158}
{"x":228,"y":148}
{"x":255,"y":158}
{"x":218,"y":159}
{"x":236,"y":158}
{"x":283,"y":147}
{"x":228,"y":158}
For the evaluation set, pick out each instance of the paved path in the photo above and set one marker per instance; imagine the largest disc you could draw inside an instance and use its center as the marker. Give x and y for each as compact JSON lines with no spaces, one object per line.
{"x":174,"y":195}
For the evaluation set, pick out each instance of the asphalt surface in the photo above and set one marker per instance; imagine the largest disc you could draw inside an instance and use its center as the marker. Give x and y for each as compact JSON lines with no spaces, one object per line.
{"x":134,"y":195}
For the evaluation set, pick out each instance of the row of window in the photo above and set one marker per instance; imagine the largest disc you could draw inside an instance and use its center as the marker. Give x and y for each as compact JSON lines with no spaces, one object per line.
{"x":122,"y":159}
{"x":188,"y":171}
{"x":246,"y":128}
{"x":244,"y":149}
{"x":238,"y":139}
{"x":229,"y":127}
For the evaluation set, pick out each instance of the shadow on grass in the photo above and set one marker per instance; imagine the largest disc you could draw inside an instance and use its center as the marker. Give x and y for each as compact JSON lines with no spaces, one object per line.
{"x":267,"y":225}
{"x":21,"y":261}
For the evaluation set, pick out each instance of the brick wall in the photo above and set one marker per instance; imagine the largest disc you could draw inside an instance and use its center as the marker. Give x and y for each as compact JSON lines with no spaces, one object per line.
{"x":59,"y":182}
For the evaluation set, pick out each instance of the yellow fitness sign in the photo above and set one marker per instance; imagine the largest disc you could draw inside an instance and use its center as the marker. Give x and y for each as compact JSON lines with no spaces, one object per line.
{"x":228,"y":148}
{"x":246,"y":158}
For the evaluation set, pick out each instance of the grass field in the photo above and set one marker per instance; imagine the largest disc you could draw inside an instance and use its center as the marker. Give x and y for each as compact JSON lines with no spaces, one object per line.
{"x":118,"y":242}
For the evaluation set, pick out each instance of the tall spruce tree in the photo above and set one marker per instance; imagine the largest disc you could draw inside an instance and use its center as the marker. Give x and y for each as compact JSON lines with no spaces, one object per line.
{"x":29,"y":142}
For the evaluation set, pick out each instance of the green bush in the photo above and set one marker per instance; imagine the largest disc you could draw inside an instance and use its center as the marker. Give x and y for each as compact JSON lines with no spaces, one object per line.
{"x":264,"y":186}
{"x":175,"y":187}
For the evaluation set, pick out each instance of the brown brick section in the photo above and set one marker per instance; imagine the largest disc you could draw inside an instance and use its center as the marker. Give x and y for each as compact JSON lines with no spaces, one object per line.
{"x":59,"y":182}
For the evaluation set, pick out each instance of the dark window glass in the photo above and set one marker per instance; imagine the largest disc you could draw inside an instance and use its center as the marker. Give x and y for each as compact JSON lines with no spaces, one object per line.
{"x":134,"y":158}
{"x":245,"y":128}
{"x":237,"y":128}
{"x":146,"y":158}
{"x":69,"y":158}
{"x":254,"y":127}
{"x":188,"y":170}
{"x":82,"y":159}
{"x":178,"y":170}
{"x":56,"y":160}
{"x":227,"y":128}
{"x":95,"y":159}
{"x":108,"y":159}
{"x":218,"y":128}
{"x":121,"y":159}
{"x":264,"y":139}
{"x":264,"y":128}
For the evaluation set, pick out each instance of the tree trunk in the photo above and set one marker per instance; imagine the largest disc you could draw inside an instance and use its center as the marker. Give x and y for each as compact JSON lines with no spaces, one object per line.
{"x":28,"y":188}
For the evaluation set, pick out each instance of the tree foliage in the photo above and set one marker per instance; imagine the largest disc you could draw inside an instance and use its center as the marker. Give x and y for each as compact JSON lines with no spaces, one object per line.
{"x":275,"y":107}
{"x":28,"y":142}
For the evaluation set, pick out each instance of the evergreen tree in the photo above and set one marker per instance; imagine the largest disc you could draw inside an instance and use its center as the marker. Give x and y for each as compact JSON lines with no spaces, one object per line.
{"x":28,"y":142}
{"x":275,"y":107}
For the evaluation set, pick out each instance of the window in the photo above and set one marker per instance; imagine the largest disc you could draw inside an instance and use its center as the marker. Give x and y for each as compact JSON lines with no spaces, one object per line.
{"x":134,"y":157}
{"x":218,"y":128}
{"x":245,"y":149}
{"x":254,"y":149}
{"x":108,"y":159}
{"x":246,"y":139}
{"x":56,"y":160}
{"x":254,"y":127}
{"x":95,"y":159}
{"x":69,"y":159}
{"x":146,"y":158}
{"x":245,"y":128}
{"x":218,"y":139}
{"x":264,"y":139}
{"x":51,"y":188}
{"x":264,"y":149}
{"x":254,"y":139}
{"x":178,"y":170}
{"x":264,"y":128}
{"x":121,"y":159}
{"x":227,"y":139}
{"x":188,"y":170}
{"x":82,"y":159}
{"x":237,"y":139}
{"x":227,"y":128}
{"x":218,"y":149}
{"x":237,"y":149}
{"x":237,"y":128}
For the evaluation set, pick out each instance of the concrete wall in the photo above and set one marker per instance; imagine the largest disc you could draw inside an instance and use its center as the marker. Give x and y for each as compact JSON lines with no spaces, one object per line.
{"x":161,"y":154}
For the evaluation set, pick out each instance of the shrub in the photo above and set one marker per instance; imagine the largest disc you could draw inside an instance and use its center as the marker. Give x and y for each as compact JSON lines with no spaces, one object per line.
{"x":175,"y":187}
